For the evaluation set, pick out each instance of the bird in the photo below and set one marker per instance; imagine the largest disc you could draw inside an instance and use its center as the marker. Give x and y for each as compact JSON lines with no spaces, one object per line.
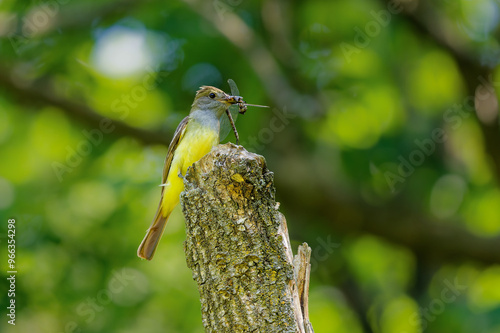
{"x":195,"y":136}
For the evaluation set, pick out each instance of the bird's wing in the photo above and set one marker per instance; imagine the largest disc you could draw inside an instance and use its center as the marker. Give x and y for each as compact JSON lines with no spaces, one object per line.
{"x":148,"y":245}
{"x":179,"y":133}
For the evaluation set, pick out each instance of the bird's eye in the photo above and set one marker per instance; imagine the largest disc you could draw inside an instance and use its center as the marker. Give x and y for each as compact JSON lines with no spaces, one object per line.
{"x":212,"y":95}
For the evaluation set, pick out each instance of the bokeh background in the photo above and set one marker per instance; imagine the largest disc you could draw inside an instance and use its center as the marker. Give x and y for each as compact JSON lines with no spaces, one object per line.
{"x":383,"y":134}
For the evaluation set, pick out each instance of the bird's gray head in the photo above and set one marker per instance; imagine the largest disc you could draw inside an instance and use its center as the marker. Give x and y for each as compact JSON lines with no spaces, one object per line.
{"x":213,"y":100}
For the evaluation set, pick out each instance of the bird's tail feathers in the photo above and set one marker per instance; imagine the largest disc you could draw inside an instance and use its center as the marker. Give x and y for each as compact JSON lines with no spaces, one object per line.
{"x":148,"y":245}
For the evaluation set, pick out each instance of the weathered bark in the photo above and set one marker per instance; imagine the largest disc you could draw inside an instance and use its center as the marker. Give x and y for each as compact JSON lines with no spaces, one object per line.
{"x":238,"y":247}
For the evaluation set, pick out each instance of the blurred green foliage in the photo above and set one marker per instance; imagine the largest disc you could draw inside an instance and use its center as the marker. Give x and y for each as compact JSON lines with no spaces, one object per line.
{"x":396,"y":217}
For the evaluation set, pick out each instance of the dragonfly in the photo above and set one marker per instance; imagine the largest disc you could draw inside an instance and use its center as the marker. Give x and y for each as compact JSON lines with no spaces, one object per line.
{"x":228,"y":123}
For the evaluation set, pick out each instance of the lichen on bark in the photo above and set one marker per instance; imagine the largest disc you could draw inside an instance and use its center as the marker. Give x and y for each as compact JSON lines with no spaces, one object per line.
{"x":237,"y":246}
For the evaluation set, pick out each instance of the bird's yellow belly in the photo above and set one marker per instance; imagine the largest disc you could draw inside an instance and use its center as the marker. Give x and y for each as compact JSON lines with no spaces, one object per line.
{"x":195,"y":144}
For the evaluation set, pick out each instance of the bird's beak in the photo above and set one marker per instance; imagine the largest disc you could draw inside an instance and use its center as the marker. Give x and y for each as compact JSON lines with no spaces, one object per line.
{"x":233,"y":99}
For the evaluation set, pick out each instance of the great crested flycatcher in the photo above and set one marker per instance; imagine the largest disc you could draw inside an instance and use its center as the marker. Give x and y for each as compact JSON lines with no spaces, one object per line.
{"x":194,"y":137}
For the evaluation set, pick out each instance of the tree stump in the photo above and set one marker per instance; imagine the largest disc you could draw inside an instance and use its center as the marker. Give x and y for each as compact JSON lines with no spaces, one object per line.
{"x":238,"y":247}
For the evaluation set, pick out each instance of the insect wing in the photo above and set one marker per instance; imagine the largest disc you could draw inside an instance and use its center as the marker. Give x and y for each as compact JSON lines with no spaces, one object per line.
{"x":225,"y":124}
{"x":234,"y":88}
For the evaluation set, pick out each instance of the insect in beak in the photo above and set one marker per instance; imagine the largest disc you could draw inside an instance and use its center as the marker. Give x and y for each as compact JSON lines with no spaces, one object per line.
{"x":234,"y":99}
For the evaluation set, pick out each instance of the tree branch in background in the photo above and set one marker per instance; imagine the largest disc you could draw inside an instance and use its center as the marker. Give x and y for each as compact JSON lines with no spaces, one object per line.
{"x":393,"y":221}
{"x":35,"y":94}
{"x":432,"y":25}
{"x":260,"y":58}
{"x":63,"y":17}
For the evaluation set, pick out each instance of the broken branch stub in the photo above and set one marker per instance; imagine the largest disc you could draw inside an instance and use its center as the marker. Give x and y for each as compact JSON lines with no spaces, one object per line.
{"x":238,"y":248}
